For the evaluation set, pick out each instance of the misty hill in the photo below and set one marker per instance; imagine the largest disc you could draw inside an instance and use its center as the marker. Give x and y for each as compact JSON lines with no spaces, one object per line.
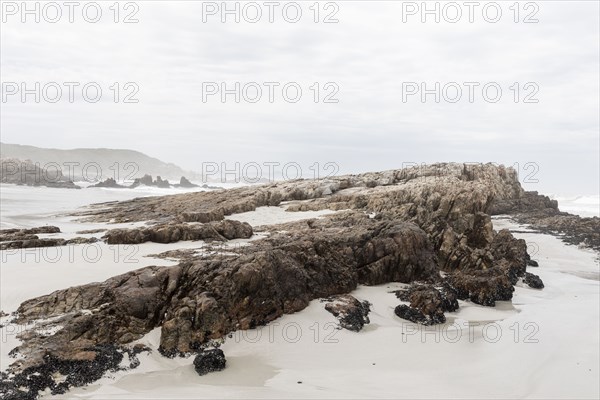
{"x":96,"y":164}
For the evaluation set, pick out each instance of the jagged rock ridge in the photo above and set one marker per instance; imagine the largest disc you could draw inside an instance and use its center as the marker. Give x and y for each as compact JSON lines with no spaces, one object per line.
{"x":404,"y":226}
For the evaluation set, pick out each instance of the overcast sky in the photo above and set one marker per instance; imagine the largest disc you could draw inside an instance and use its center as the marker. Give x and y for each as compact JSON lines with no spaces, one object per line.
{"x":371,"y":55}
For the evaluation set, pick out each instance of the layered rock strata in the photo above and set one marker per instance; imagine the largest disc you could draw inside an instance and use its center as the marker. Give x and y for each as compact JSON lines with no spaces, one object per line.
{"x":402,"y":226}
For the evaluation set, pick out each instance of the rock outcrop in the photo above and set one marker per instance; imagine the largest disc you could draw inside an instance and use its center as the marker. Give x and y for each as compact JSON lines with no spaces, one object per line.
{"x":32,"y":242}
{"x":27,"y":172}
{"x":28,"y":238}
{"x":427,"y":303}
{"x":146,"y":180}
{"x":108,"y":183}
{"x":542,"y":214}
{"x":185,"y":183}
{"x":483,"y":287}
{"x":402,"y":226}
{"x":12,"y":233}
{"x":195,"y":302}
{"x":169,"y":233}
{"x":446,"y":191}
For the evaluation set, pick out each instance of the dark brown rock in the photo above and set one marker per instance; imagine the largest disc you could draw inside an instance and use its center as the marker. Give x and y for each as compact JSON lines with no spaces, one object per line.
{"x":412,"y":314}
{"x":427,"y":305}
{"x":533,"y":281}
{"x":352,"y":313}
{"x":483,"y":287}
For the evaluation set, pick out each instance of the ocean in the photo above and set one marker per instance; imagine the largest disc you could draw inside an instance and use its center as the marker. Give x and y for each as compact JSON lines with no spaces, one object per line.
{"x":585,"y":206}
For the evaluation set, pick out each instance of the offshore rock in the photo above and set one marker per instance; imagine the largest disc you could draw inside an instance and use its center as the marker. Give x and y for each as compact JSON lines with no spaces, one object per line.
{"x":185,"y":183}
{"x":108,"y":183}
{"x":162,"y":183}
{"x":146,"y":180}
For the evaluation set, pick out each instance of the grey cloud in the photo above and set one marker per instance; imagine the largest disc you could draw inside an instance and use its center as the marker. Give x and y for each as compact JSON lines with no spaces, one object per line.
{"x":369,"y":54}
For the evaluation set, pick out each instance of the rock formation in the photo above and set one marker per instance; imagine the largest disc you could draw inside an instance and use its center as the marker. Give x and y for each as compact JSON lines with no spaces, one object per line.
{"x":185,"y":183}
{"x":403,"y":226}
{"x":169,"y":233}
{"x":427,"y":303}
{"x":146,"y":180}
{"x":199,"y":301}
{"x":543,"y":214}
{"x":8,"y":234}
{"x":209,"y":361}
{"x":533,"y":281}
{"x":108,"y":183}
{"x":352,"y":313}
{"x":26,"y":172}
{"x":28,"y":238}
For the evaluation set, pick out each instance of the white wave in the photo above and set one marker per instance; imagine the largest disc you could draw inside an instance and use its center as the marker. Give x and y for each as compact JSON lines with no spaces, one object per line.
{"x":582,"y":205}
